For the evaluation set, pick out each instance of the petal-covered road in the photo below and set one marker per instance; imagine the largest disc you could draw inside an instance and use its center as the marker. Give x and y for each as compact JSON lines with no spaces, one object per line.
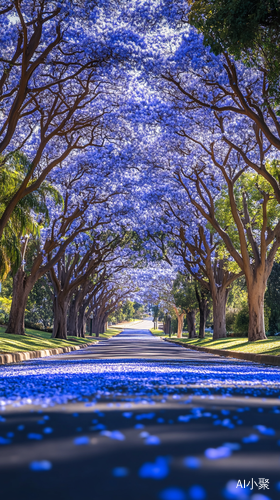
{"x":135,"y":418}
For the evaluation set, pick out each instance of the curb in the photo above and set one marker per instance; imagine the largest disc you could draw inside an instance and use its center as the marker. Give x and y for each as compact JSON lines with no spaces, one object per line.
{"x":17,"y":357}
{"x":266,"y":359}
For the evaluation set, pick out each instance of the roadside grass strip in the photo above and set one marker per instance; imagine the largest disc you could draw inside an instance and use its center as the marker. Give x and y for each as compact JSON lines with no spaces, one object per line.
{"x":270,"y":346}
{"x":35,"y":340}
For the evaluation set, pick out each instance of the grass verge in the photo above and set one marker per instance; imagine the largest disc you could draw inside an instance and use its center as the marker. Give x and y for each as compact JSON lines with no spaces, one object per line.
{"x":270,"y":346}
{"x":111,"y":332}
{"x":158,"y":333}
{"x":35,"y":340}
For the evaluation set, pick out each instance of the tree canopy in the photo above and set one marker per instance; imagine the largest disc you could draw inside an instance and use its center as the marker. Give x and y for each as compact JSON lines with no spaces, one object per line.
{"x":247,"y":29}
{"x":140,"y":143}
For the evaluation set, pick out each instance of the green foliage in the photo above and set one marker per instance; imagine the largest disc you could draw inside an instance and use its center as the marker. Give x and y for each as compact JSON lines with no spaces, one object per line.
{"x":247,"y":29}
{"x":241,"y":322}
{"x":5,"y":306}
{"x":184,"y":293}
{"x":155,"y":310}
{"x":237,"y":315}
{"x":39,"y":310}
{"x":6,"y":298}
{"x":174,"y":325}
{"x":161,"y":315}
{"x":138,"y":310}
{"x":237,"y":295}
{"x":117,"y":316}
{"x":24,"y":220}
{"x":128,"y":310}
{"x":230,"y":320}
{"x":158,"y":313}
{"x":249,"y":190}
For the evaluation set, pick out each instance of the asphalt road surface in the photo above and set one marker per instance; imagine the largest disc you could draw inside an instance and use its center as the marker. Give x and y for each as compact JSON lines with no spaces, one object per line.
{"x":135,"y":418}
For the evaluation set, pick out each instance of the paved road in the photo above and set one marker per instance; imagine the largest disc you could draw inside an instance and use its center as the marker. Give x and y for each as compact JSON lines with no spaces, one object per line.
{"x":134,"y":418}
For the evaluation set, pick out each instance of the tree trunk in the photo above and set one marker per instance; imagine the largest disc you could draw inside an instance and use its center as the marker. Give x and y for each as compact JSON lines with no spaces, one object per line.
{"x":167,"y":325}
{"x":203,"y":306}
{"x":72,"y":320}
{"x":60,"y":317}
{"x":83,"y":327}
{"x":99,"y":324}
{"x":191,"y":324}
{"x":180,"y":318}
{"x":219,"y":313}
{"x":102,"y":322}
{"x":256,"y":330}
{"x":82,"y":322}
{"x":95,"y":325}
{"x":105,"y":323}
{"x":202,"y":300}
{"x":21,"y":290}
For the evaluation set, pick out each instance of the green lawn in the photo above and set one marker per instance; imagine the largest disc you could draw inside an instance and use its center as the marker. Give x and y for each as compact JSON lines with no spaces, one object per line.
{"x":269,"y":346}
{"x":35,"y":340}
{"x":111,"y":332}
{"x":158,"y":333}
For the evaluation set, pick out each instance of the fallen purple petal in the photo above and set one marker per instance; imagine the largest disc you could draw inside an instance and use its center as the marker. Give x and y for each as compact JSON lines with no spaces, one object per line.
{"x":157,"y":470}
{"x":216,"y":453}
{"x":120,"y":472}
{"x":172,"y":494}
{"x":192,"y":463}
{"x":81,"y":440}
{"x":41,"y":465}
